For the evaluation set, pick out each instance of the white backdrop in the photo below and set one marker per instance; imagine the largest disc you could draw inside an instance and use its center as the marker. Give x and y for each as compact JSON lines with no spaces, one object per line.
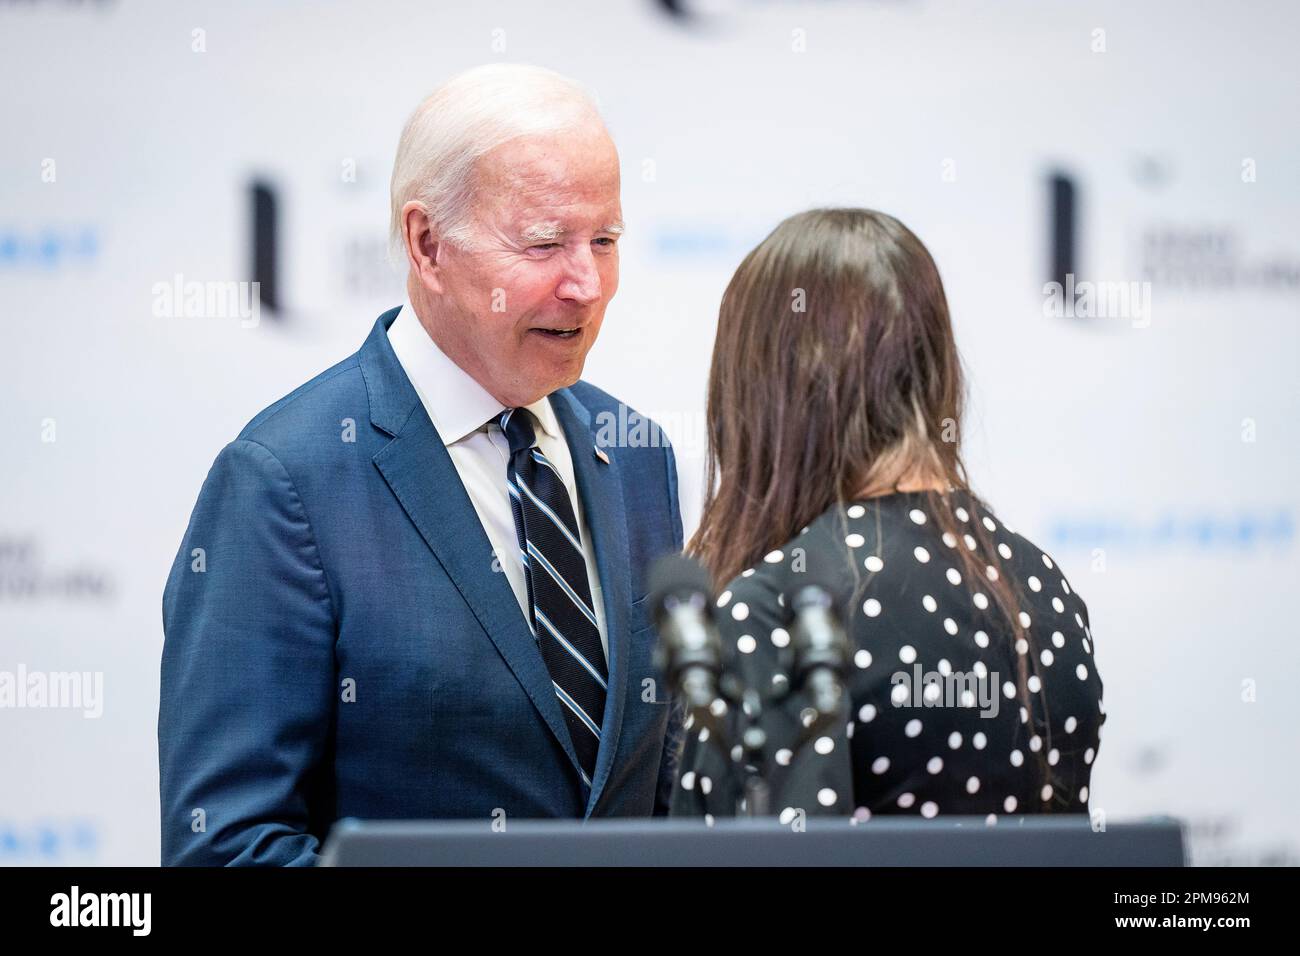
{"x":1156,"y":459}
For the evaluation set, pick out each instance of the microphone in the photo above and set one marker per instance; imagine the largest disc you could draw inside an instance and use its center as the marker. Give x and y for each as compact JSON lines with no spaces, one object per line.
{"x":818,"y":641}
{"x":689,"y":652}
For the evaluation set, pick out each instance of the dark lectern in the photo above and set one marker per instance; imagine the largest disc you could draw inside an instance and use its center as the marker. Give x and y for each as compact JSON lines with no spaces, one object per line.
{"x":956,"y":841}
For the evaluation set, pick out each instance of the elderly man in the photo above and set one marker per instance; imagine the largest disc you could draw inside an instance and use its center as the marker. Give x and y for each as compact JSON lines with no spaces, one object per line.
{"x":415,"y":586}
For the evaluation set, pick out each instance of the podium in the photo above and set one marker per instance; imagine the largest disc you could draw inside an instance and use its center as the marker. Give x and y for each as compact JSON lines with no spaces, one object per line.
{"x":956,"y":841}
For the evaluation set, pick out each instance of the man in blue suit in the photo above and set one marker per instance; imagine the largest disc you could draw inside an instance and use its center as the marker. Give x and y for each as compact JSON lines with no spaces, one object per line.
{"x":415,"y":587}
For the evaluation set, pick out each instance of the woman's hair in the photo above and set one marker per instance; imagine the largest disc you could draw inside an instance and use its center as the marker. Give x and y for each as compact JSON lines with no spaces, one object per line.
{"x":836,"y":377}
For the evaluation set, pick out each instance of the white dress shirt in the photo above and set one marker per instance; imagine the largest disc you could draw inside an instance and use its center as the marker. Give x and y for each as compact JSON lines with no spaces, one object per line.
{"x":460,"y":409}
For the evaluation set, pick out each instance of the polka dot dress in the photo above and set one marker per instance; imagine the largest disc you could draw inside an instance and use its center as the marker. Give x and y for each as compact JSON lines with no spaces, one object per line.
{"x":935,"y":723}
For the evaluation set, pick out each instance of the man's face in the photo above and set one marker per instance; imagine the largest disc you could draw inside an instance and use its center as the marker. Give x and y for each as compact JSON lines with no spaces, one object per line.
{"x":520,"y":310}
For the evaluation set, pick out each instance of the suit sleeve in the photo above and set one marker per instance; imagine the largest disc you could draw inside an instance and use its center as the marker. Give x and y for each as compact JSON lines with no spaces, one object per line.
{"x":247,"y":684}
{"x":673,"y":737}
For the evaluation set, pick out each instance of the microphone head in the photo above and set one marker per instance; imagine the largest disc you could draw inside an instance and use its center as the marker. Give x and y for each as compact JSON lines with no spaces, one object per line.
{"x":679,"y":577}
{"x":822,"y":577}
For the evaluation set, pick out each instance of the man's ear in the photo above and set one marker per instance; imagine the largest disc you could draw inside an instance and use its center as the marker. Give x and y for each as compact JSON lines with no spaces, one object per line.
{"x":422,"y":246}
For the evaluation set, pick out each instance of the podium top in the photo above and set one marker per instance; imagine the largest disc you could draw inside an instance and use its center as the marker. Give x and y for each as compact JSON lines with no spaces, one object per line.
{"x":955,"y":841}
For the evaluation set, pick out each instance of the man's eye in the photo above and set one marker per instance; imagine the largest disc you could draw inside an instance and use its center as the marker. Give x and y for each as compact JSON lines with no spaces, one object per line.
{"x":546,"y":245}
{"x":605,"y":239}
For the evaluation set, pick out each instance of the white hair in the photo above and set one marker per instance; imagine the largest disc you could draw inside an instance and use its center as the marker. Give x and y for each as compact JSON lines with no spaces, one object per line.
{"x":468,"y":115}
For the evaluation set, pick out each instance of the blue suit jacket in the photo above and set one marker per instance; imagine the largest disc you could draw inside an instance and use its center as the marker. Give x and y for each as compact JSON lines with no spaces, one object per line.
{"x":338,"y":643}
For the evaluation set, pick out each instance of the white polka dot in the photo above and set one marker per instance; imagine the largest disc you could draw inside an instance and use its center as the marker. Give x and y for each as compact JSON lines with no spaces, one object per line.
{"x":826,"y":796}
{"x":991,"y":820}
{"x":980,"y":600}
{"x":949,"y":540}
{"x":917,"y":515}
{"x":970,"y":542}
{"x":1009,"y":804}
{"x":856,"y":511}
{"x":1008,"y":690}
{"x":1047,"y":791}
{"x":880,"y":765}
{"x":824,"y":745}
{"x":1058,"y":605}
{"x":905,"y":800}
{"x":780,"y":637}
{"x":980,"y":670}
{"x":929,"y":603}
{"x":973,"y":785}
{"x":862,"y":658}
{"x":1035,"y":743}
{"x":871,"y":607}
{"x":1034,"y":684}
{"x":899,"y":695}
{"x":1058,"y":639}
{"x":1081,"y":672}
{"x":991,"y":572}
{"x":1070,"y":725}
{"x":907,"y":653}
{"x":784,"y":756}
{"x":688,"y":780}
{"x":708,"y":819}
{"x":932,"y":692}
{"x":723,"y":598}
{"x":873,"y":563}
{"x":772,"y":557}
{"x":1088,"y":755}
{"x":913,"y":728}
{"x":1046,"y":657}
{"x":1035,"y":584}
{"x":704,"y":732}
{"x":981,"y":639}
{"x":954,"y":577}
{"x":1053,"y":757}
{"x":980,"y":741}
{"x":934,"y":765}
{"x":1078,"y":618}
{"x":988,"y":523}
{"x":787,"y":815}
{"x":944,"y":667}
{"x":867,"y":714}
{"x":1083,"y":794}
{"x":746,"y":644}
{"x":855,"y":540}
{"x":1024,"y":715}
{"x":1065,"y":586}
{"x":861,"y":815}
{"x":922,"y":555}
{"x":1024,"y":619}
{"x":967,"y":699}
{"x":1087,"y":648}
{"x":929,"y":809}
{"x":1047,"y":562}
{"x":950,"y":625}
{"x":1022,"y":646}
{"x":961,"y":513}
{"x":740,"y":611}
{"x":848,"y":730}
{"x":706,"y":785}
{"x":1017,"y":758}
{"x":1004,"y":551}
{"x":954,"y":740}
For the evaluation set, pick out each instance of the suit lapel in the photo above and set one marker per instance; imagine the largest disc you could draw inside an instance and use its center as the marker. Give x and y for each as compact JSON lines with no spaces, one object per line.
{"x":420,"y":473}
{"x":600,"y":490}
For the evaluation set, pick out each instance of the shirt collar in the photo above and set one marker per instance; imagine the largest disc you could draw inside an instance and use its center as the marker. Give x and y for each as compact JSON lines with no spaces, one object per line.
{"x":456,"y":403}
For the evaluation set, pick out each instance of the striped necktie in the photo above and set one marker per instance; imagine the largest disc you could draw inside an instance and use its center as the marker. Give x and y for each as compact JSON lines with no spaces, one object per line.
{"x":561,"y":611}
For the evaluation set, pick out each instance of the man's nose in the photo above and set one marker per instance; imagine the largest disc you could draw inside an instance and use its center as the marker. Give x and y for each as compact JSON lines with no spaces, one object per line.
{"x":582,"y":280}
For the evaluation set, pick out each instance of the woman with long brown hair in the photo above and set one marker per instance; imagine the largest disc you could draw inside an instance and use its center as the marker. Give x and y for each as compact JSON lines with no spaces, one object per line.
{"x":835,"y":409}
